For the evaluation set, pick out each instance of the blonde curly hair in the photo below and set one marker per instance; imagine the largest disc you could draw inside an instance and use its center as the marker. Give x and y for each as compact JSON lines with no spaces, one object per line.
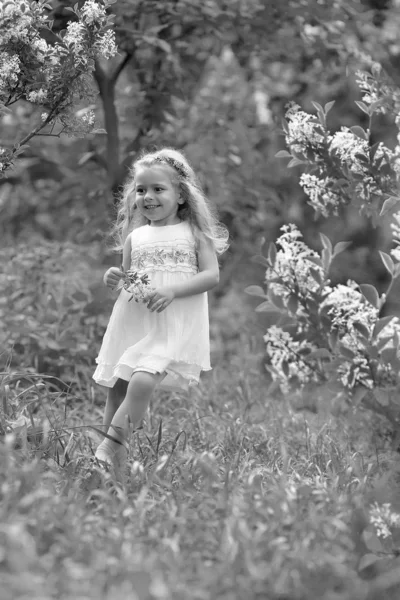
{"x":196,"y":208}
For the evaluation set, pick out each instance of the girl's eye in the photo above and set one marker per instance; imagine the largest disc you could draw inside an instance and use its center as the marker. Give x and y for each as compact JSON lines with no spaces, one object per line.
{"x":139,"y":191}
{"x":158,"y":189}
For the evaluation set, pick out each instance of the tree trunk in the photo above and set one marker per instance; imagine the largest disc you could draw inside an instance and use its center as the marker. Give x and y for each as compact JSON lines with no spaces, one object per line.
{"x":106,"y":83}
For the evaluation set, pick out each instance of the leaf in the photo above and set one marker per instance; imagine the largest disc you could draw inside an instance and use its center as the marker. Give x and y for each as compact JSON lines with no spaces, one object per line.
{"x":276,"y":300}
{"x":317,"y":106}
{"x":367,"y":560}
{"x":255,"y":290}
{"x":293,"y":304}
{"x":387,"y":261}
{"x":326,"y":258}
{"x":372,"y":541}
{"x":363,"y":107}
{"x":326,"y":242}
{"x":85,"y":157}
{"x":283,"y":154}
{"x":316,"y":275}
{"x":328,"y":106}
{"x":346,"y":352}
{"x":359,"y":132}
{"x":320,"y":353}
{"x":362,"y":329}
{"x":388,"y":205}
{"x":272,"y":253}
{"x":260,"y":259}
{"x":333,"y":338}
{"x":370,"y":294}
{"x":381,"y":324}
{"x":314,"y":259}
{"x":358,"y":394}
{"x":340,"y":247}
{"x":382,"y":397}
{"x":294,"y":162}
{"x":267,"y":306}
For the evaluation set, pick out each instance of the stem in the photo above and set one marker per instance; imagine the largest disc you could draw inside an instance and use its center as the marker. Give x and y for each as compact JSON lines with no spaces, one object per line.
{"x":121,"y":67}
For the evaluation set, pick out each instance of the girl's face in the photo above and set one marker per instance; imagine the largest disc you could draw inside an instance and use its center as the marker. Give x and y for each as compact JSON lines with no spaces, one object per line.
{"x":156,"y":195}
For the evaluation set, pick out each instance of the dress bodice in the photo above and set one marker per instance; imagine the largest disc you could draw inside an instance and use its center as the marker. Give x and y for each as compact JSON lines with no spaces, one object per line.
{"x":168,"y":248}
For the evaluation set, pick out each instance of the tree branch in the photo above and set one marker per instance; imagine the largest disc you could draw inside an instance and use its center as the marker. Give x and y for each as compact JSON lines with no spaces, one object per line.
{"x":121,"y":67}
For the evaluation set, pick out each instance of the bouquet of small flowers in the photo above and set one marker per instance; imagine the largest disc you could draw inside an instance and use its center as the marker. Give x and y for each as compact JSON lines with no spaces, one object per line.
{"x":137,"y":285}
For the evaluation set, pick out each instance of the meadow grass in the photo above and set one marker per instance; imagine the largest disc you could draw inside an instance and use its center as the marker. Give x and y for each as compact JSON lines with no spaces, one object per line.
{"x":230,"y":495}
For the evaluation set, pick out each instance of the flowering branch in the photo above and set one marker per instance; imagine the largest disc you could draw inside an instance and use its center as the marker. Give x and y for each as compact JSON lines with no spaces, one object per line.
{"x":57,"y":76}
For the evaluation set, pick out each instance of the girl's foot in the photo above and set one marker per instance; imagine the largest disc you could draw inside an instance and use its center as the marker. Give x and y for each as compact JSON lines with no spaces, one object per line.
{"x":113,"y":457}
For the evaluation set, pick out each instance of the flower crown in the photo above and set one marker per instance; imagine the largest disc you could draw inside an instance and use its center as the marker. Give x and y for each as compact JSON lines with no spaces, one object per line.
{"x":178,"y":166}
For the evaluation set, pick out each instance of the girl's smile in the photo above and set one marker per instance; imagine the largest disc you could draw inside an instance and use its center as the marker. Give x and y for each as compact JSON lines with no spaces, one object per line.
{"x":157,"y":196}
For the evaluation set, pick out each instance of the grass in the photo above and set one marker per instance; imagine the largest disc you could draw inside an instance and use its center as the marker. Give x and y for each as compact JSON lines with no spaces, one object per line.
{"x":231,"y":495}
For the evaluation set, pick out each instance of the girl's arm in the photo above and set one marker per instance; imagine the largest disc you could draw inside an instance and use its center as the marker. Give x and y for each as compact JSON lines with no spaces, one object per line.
{"x":113,"y":275}
{"x":126,"y":254}
{"x":205,"y":279}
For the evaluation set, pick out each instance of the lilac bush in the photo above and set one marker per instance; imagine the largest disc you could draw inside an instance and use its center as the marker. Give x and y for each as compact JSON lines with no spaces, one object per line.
{"x":55,"y":77}
{"x":333,"y":335}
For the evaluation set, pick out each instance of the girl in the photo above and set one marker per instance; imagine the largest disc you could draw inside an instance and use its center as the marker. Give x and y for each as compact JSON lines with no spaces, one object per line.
{"x":169,"y":234}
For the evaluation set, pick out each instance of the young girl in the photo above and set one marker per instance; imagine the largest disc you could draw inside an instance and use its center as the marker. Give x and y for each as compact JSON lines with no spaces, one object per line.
{"x":169,"y":234}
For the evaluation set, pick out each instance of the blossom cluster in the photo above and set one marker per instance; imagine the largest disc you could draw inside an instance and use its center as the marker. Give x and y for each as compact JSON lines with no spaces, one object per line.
{"x":286,"y":359}
{"x":383,"y":519}
{"x":346,"y":306}
{"x":137,"y":285}
{"x":341,"y":166}
{"x":291,"y":269}
{"x":304,"y":130}
{"x":323,"y":197}
{"x":53,"y":75}
{"x":328,"y":322}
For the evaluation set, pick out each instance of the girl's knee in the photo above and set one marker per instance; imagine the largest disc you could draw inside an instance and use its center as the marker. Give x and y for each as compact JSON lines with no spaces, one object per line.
{"x":145,"y":379}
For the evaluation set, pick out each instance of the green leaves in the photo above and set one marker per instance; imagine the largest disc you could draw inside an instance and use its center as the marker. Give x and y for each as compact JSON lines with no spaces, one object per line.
{"x":388,"y":204}
{"x":370,"y":294}
{"x":388,"y":262}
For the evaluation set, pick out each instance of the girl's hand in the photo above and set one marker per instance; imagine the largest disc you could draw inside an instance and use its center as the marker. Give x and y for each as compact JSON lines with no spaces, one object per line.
{"x":112,"y":277}
{"x":160,"y":299}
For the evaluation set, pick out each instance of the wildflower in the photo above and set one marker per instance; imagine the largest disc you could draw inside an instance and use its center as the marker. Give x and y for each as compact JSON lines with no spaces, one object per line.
{"x":138,"y":286}
{"x":347,"y":306}
{"x":105,"y":46}
{"x":322,"y":197}
{"x":356,"y":371}
{"x":9,"y":70}
{"x":92,"y":11}
{"x":383,"y":519}
{"x":304,"y":130}
{"x":88,"y":117}
{"x":286,"y":357}
{"x":292,"y":269}
{"x":37,"y":97}
{"x":40,"y":45}
{"x":75,"y":35}
{"x":346,"y":145}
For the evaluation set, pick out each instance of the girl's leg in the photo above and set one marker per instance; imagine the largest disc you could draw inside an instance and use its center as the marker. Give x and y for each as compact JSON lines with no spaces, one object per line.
{"x":135,"y":403}
{"x":134,"y":406}
{"x":115,"y":397}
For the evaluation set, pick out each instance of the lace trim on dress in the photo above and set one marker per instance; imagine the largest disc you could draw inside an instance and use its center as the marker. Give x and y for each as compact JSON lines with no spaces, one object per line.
{"x":142,"y":258}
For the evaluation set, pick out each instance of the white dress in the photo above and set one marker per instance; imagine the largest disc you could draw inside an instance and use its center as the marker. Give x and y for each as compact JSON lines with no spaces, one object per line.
{"x":174,"y":341}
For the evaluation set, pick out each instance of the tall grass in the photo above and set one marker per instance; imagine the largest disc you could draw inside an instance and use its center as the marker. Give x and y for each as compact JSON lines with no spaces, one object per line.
{"x":230,"y":495}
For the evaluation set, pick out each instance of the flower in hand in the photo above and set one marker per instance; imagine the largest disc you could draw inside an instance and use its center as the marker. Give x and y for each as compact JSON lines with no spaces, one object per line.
{"x":160,"y":299}
{"x":137,"y":285}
